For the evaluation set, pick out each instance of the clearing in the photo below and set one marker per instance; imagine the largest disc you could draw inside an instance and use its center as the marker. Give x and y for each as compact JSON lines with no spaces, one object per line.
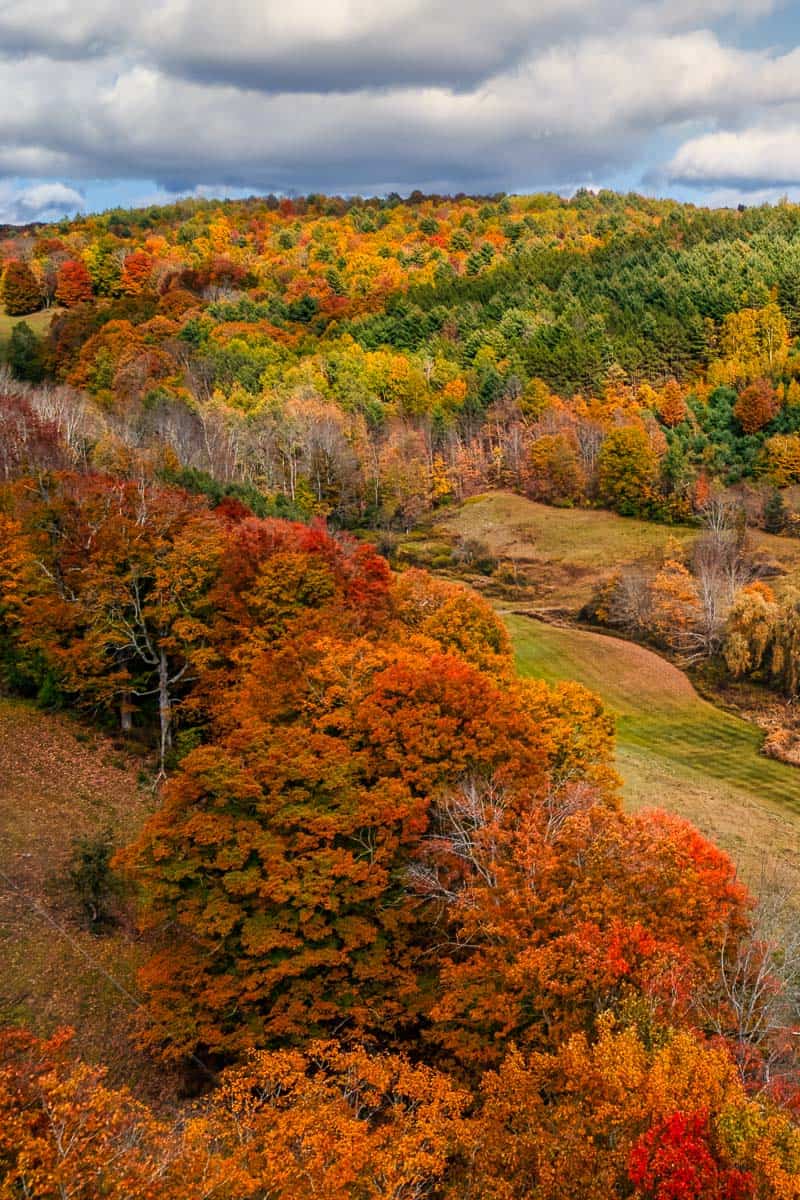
{"x":675,"y":750}
{"x":59,"y":781}
{"x":566,"y":552}
{"x":38,"y":321}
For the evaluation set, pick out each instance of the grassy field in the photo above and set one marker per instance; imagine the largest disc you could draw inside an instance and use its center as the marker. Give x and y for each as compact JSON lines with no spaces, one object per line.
{"x":38,"y":321}
{"x":675,"y":750}
{"x":57,"y":782}
{"x":567,"y":551}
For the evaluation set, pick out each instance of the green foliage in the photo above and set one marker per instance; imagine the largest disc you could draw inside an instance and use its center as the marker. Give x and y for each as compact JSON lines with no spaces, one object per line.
{"x":627,"y":468}
{"x":776,"y":513}
{"x":200,"y":483}
{"x":26,"y":354}
{"x":94,"y":885}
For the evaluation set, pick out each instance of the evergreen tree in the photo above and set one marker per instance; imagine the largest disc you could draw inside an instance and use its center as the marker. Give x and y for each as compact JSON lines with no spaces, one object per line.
{"x":25,"y":353}
{"x":775,"y":513}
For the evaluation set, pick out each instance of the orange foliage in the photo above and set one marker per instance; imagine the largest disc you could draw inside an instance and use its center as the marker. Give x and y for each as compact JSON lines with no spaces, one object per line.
{"x":756,"y":406}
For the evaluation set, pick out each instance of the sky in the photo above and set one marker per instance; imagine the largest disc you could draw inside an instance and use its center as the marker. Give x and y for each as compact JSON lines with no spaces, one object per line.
{"x":110,"y":104}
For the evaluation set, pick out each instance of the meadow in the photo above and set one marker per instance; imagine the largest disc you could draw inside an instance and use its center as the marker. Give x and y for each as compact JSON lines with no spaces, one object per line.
{"x":39,"y":322}
{"x":567,"y":552}
{"x":676,"y":750}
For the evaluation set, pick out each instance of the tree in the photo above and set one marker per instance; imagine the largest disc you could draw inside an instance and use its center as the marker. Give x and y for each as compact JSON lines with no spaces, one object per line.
{"x":754,"y":344}
{"x":672,"y":405}
{"x":636,"y":1110}
{"x":281,"y":852}
{"x":750,"y":629}
{"x":74,"y":284}
{"x":137,"y":269}
{"x":104,"y":266}
{"x":531,"y":964}
{"x":757,"y":405}
{"x":627,"y":470}
{"x":126,"y":570}
{"x":29,"y":442}
{"x":555,"y":470}
{"x":676,"y":612}
{"x":64,"y":1132}
{"x":335,"y":1123}
{"x":21,"y":292}
{"x":775,"y":511}
{"x":25,"y":354}
{"x":678,"y":1157}
{"x":781,"y":459}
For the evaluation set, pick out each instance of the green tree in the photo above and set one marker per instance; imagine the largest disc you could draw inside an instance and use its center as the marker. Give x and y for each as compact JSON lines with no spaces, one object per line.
{"x":775,"y":513}
{"x":25,"y":353}
{"x":627,"y":469}
{"x":104,"y":268}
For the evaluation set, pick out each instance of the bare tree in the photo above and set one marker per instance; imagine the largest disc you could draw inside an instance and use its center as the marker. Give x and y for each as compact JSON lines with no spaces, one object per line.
{"x":722,"y":565}
{"x":756,"y":1004}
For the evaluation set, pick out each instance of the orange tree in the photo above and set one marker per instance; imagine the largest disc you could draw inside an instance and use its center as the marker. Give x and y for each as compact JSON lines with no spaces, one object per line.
{"x":283,"y":847}
{"x":638,"y":1111}
{"x":118,"y":608}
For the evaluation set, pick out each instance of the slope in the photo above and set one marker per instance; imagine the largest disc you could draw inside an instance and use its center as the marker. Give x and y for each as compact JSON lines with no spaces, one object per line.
{"x":676,"y":750}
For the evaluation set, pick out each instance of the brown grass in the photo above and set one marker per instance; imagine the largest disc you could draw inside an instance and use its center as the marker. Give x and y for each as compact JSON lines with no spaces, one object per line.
{"x":567,"y":552}
{"x":58,"y":782}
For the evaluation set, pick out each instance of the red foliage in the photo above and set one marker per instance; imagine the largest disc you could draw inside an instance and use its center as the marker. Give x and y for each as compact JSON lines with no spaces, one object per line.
{"x":676,"y":1160}
{"x":756,"y":406}
{"x":74,"y":284}
{"x":28,"y":443}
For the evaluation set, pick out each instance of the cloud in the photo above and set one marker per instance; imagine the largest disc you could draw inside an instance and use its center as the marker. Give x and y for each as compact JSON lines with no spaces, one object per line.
{"x":349,"y":95}
{"x":338,"y":45}
{"x":753,"y":158}
{"x":569,"y":112}
{"x":41,"y":202}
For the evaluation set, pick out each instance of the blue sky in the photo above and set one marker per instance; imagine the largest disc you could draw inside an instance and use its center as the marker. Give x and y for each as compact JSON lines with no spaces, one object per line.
{"x":697,"y":99}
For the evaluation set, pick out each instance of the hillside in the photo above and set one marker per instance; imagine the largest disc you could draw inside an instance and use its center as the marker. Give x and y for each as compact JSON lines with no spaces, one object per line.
{"x":372,"y":359}
{"x":60,"y":781}
{"x":564,"y":554}
{"x":383,"y":919}
{"x":674,"y":749}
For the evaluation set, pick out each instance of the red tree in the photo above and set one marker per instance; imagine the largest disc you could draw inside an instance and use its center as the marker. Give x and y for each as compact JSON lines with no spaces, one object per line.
{"x":74,"y":284}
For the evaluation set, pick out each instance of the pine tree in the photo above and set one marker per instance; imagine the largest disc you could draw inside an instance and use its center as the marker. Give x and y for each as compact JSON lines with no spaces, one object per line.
{"x":25,"y":353}
{"x":775,"y":513}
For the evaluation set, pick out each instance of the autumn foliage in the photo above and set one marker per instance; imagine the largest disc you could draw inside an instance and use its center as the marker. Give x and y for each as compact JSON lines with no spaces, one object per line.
{"x":74,"y":284}
{"x":389,"y":909}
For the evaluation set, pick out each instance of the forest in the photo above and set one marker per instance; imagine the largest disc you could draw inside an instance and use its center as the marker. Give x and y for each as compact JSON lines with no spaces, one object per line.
{"x":393,"y":930}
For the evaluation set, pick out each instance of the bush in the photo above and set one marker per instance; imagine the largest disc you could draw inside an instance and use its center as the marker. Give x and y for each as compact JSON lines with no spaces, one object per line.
{"x":93,"y":883}
{"x":474,"y":555}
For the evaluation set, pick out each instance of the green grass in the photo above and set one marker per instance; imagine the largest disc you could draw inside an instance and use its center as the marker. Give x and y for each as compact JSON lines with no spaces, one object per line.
{"x":567,"y":550}
{"x":38,"y":321}
{"x":675,"y":750}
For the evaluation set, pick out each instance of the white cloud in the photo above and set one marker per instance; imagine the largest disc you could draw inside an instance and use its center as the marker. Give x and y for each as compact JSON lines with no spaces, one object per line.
{"x":353,"y":95}
{"x":41,"y":202}
{"x":754,"y":158}
{"x":338,"y":45}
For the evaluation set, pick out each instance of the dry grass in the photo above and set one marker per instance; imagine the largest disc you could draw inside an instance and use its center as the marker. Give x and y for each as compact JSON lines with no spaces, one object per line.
{"x":57,"y":782}
{"x":567,"y":552}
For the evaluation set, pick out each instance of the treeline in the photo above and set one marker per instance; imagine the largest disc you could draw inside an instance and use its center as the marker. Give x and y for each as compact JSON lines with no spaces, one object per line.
{"x":391,"y":904}
{"x":367,"y":361}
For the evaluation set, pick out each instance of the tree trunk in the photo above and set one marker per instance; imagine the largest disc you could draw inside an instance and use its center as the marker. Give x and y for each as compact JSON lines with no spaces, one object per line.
{"x":164,"y":706}
{"x":126,"y":713}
